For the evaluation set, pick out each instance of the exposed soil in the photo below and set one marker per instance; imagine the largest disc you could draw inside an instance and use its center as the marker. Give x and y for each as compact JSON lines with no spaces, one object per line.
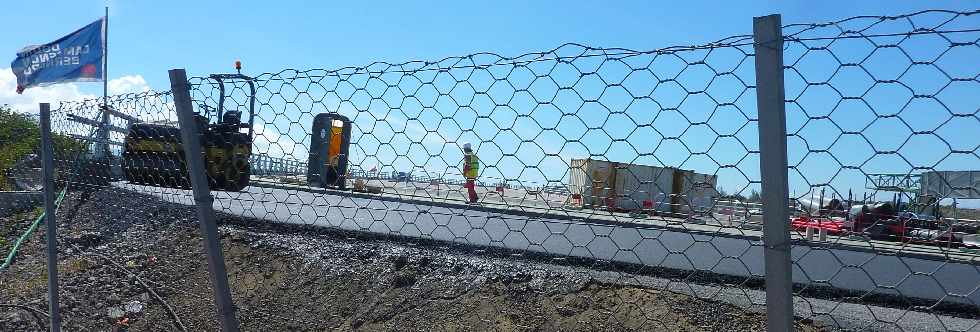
{"x":125,"y":258}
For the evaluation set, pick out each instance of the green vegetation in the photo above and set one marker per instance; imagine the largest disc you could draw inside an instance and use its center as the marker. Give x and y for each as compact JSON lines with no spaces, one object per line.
{"x":12,"y":226}
{"x":21,"y":136}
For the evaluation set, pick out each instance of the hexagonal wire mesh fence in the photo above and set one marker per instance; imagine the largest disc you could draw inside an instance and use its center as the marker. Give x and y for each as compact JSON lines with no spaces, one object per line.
{"x":130,"y":256}
{"x":581,"y":123}
{"x":874,"y":104}
{"x":610,"y":187}
{"x":584,"y":154}
{"x":19,"y":208}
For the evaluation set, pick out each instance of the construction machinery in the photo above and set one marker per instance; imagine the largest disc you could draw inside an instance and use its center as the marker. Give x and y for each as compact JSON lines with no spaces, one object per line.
{"x":154,"y":155}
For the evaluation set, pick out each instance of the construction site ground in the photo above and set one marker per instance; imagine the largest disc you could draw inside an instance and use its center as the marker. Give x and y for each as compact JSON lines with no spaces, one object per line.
{"x":143,"y":269}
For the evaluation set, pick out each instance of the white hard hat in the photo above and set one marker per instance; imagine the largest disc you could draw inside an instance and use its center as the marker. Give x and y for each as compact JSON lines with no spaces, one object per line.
{"x":466,"y":146}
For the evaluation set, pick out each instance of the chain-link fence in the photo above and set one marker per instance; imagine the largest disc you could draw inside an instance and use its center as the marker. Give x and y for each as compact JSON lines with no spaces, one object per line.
{"x":576,"y":188}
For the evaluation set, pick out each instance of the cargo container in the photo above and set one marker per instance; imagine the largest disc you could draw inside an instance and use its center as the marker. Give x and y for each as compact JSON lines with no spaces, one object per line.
{"x":632,"y":187}
{"x":951,"y":184}
{"x":696,"y":192}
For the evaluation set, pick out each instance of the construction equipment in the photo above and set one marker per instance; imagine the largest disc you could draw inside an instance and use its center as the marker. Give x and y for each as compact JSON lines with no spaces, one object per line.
{"x":154,"y":156}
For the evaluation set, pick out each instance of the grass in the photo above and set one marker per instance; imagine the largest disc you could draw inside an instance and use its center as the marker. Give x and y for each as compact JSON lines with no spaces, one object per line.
{"x":15,"y":225}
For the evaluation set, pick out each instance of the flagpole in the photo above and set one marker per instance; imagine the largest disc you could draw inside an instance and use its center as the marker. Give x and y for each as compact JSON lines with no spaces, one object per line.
{"x":103,"y":146}
{"x":105,"y":60}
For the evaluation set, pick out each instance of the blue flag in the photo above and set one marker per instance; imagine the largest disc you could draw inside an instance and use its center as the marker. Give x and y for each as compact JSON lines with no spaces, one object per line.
{"x":76,"y":57}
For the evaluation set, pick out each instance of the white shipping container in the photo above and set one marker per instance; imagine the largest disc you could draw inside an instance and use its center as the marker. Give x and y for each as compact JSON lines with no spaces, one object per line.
{"x":577,"y":179}
{"x":627,"y":186}
{"x":591,"y":180}
{"x":698,"y":192}
{"x":639,"y":183}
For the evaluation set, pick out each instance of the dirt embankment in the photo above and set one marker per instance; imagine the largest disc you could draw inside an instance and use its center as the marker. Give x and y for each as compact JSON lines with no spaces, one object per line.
{"x":131,"y":262}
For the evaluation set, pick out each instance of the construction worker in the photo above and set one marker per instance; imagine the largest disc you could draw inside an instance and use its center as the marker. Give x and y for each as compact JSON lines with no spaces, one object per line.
{"x":471,"y":167}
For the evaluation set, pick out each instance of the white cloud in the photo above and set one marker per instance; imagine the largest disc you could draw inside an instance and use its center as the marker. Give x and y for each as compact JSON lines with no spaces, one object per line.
{"x":27,"y":102}
{"x":128,"y":84}
{"x":271,"y":142}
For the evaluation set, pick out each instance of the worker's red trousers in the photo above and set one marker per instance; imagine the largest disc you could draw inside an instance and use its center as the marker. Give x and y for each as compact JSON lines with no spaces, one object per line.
{"x":471,"y":187}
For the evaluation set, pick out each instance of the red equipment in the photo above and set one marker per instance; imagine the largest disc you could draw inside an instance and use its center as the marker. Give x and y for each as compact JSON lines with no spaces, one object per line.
{"x":833,"y":226}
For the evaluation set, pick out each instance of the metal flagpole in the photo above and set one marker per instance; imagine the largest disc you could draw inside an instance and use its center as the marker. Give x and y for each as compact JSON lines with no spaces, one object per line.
{"x":105,"y":60}
{"x":103,"y":147}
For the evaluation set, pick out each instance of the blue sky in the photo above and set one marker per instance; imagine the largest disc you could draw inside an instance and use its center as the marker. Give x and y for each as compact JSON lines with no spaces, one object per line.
{"x":147,"y":38}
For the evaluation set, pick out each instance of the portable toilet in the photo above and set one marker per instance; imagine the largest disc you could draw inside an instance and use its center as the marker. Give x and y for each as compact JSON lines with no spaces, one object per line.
{"x":329,"y":150}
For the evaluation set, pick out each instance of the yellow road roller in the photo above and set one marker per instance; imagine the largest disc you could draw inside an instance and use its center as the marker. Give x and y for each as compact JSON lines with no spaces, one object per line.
{"x":153,"y":154}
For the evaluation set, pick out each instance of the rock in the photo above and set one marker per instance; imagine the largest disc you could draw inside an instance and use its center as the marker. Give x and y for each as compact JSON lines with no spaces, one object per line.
{"x":566,"y":311}
{"x":237,"y":237}
{"x":134,"y":307}
{"x":86,"y":239}
{"x":365,"y":254}
{"x":399,"y":262}
{"x":113,"y":299}
{"x":425,"y":261}
{"x":16,"y":317}
{"x":403,"y":279}
{"x":479,"y":280}
{"x":115,"y":313}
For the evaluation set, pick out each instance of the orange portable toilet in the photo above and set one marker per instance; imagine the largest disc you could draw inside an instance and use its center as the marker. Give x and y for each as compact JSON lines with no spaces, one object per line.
{"x":329,"y":147}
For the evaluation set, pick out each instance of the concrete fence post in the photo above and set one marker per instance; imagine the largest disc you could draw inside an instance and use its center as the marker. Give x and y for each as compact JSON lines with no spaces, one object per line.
{"x":202,"y":198}
{"x":770,"y":97}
